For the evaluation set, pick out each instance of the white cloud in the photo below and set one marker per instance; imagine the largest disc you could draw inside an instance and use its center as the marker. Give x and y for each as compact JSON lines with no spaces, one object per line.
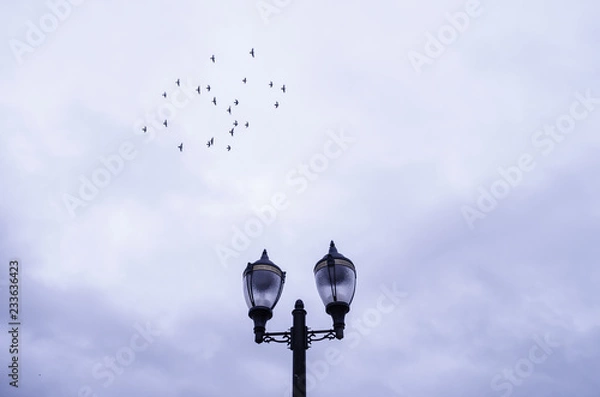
{"x":143,"y":248}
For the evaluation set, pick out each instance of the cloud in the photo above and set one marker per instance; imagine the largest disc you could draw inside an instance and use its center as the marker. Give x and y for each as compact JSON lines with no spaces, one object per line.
{"x":143,"y":249}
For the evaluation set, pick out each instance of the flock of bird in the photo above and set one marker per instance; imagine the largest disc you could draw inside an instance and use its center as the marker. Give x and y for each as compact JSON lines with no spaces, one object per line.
{"x":235,"y":102}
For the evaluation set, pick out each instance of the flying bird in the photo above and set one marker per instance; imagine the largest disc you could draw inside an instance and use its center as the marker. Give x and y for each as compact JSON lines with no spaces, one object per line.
{"x":180,"y":147}
{"x":235,"y":123}
{"x":276,"y":105}
{"x":247,"y":124}
{"x":252,"y":52}
{"x":164,"y":94}
{"x":228,"y":148}
{"x":231,"y":131}
{"x":165,"y":123}
{"x":271,"y":84}
{"x":244,"y":80}
{"x":283,"y":88}
{"x":214,"y":100}
{"x":213,"y":58}
{"x":144,"y":129}
{"x":229,"y":110}
{"x":209,"y":143}
{"x":208,"y":88}
{"x":177,"y":82}
{"x":198,"y":89}
{"x":236,"y":102}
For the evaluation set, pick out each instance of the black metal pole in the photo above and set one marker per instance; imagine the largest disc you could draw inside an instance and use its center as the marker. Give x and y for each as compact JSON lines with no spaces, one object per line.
{"x":299,"y":345}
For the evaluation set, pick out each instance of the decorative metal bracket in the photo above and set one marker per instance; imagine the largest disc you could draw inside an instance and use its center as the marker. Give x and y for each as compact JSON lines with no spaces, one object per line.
{"x":286,"y":337}
{"x":311,"y":336}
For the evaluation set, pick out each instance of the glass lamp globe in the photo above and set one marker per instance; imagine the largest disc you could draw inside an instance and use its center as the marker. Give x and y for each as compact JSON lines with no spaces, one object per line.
{"x":335,"y":276}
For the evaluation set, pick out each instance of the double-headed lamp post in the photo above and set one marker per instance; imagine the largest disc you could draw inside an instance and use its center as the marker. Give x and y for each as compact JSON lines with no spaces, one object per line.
{"x":335,"y":276}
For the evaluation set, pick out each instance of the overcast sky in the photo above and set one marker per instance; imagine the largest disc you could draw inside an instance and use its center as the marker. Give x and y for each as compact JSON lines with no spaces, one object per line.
{"x":449,"y":148}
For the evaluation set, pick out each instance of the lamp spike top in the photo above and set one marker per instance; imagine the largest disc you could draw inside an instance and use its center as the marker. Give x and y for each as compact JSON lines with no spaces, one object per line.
{"x":332,"y":248}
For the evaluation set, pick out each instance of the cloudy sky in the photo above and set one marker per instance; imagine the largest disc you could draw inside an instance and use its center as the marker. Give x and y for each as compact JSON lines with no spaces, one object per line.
{"x":449,"y":148}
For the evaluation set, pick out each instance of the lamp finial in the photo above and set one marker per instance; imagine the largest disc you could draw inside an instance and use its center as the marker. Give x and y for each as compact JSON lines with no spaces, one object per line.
{"x":332,"y":248}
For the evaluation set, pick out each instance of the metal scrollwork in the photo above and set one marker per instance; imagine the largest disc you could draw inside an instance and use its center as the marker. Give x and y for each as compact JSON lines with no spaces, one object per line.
{"x":311,"y":336}
{"x":327,"y":334}
{"x":285,"y":337}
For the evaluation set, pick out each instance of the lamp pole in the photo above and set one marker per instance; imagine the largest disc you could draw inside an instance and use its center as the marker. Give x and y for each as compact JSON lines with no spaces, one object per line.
{"x":299,"y":345}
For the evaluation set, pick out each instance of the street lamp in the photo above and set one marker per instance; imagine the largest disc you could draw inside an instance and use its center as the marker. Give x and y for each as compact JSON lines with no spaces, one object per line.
{"x":263,"y":284}
{"x":336,"y":281}
{"x":335,"y":277}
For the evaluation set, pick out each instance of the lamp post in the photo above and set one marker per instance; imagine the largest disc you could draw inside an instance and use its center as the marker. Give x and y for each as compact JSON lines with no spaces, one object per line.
{"x":335,"y":277}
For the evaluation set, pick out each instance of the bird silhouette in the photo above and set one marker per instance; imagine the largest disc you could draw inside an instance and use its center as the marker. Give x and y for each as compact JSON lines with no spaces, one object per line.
{"x":165,"y":123}
{"x":252,"y":52}
{"x":213,"y":58}
{"x":247,"y":124}
{"x":180,"y":147}
{"x":208,"y":88}
{"x":144,"y":129}
{"x":276,"y":105}
{"x":177,"y":82}
{"x":198,"y":89}
{"x":214,"y":100}
{"x":228,"y":148}
{"x":271,"y":84}
{"x":231,"y":131}
{"x":209,"y":143}
{"x":283,"y":88}
{"x":244,"y":80}
{"x":235,"y":123}
{"x":229,"y":110}
{"x":164,"y":94}
{"x":236,"y":102}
